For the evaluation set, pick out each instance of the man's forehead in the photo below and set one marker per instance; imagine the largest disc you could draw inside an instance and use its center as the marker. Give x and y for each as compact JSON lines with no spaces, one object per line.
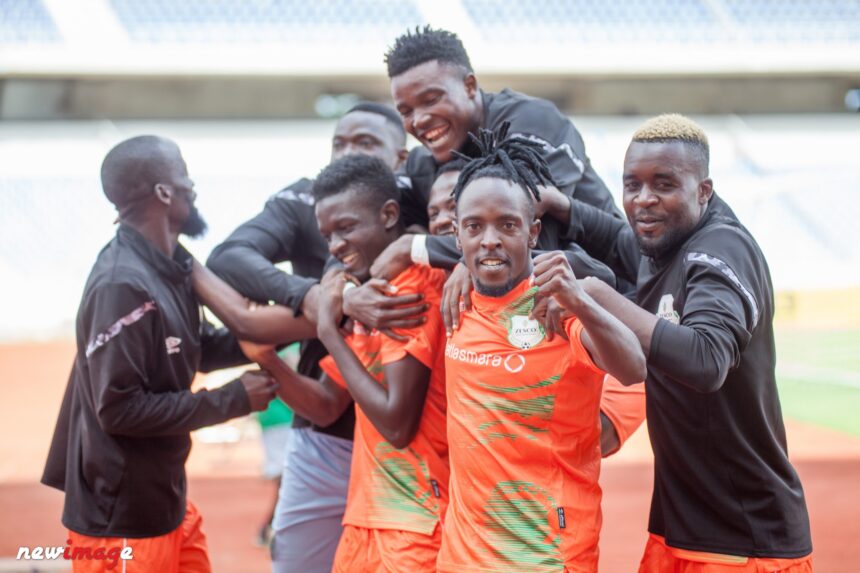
{"x":490,"y":196}
{"x":674,"y":155}
{"x":425,"y":76}
{"x":361,"y":122}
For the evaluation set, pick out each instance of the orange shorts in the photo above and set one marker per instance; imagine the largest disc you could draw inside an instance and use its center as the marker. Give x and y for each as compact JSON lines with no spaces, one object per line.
{"x":660,"y":558}
{"x":182,"y":550}
{"x":364,"y":550}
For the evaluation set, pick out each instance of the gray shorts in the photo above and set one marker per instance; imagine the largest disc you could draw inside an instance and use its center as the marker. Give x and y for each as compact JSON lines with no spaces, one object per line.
{"x":275,"y":440}
{"x":311,"y":502}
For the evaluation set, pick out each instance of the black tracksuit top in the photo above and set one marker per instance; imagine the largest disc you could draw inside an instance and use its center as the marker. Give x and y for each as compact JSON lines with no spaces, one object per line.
{"x":122,"y":436}
{"x":723,"y":482}
{"x":285,"y":230}
{"x":564,"y":150}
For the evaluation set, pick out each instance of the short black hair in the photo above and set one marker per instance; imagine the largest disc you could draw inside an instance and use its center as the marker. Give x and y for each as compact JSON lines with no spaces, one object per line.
{"x":455,"y":164}
{"x":386,"y":111}
{"x":511,"y":158}
{"x":425,"y":45}
{"x":361,"y":173}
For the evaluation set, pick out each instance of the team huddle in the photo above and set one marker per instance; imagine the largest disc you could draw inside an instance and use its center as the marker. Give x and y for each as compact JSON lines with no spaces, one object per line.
{"x":479,"y":325}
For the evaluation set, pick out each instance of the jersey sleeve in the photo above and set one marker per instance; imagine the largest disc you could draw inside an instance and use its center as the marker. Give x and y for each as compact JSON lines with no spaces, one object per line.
{"x":424,"y":341}
{"x":581,"y":358}
{"x":722,"y":306}
{"x":123,"y":328}
{"x":329,"y":367}
{"x":624,"y":406}
{"x":442,"y":252}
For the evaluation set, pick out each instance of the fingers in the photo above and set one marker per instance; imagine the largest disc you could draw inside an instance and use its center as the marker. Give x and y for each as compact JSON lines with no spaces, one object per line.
{"x":451,"y":311}
{"x":406,"y":323}
{"x":411,"y":311}
{"x":382,"y":286}
{"x":404,"y":299}
{"x":393,"y":335}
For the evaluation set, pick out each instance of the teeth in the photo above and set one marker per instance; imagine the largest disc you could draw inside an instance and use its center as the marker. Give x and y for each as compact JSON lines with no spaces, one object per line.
{"x":349,"y":258}
{"x":491,"y":262}
{"x":434,"y":134}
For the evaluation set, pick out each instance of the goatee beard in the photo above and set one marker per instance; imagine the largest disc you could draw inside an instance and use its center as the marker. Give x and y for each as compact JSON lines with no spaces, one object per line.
{"x":194,"y":227}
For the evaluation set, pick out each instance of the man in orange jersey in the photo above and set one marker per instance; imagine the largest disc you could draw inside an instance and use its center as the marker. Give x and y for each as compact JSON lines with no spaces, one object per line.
{"x":399,"y":476}
{"x":622,"y":408}
{"x":523,"y":427}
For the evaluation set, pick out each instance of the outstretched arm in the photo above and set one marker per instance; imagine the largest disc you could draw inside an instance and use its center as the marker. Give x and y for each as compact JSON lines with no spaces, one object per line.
{"x":320,"y":401}
{"x":612,"y":345}
{"x":273,"y":324}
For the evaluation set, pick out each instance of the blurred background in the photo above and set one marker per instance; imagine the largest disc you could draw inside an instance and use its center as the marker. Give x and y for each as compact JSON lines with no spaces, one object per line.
{"x":250,"y":90}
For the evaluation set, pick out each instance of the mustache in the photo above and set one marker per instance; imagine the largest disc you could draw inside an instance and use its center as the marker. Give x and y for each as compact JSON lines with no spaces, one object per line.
{"x":502,"y":257}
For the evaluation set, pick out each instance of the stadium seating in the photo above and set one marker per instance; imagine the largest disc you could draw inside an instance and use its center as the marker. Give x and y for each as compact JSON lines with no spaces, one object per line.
{"x":797,"y":21}
{"x":581,"y":21}
{"x":260,"y":21}
{"x":26,"y":21}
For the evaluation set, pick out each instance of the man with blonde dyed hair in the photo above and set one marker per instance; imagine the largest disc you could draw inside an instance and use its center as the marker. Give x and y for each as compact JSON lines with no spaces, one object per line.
{"x":725,"y":496}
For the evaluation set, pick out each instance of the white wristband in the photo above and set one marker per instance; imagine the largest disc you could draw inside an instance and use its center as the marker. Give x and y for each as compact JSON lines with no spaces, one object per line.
{"x":420,"y":256}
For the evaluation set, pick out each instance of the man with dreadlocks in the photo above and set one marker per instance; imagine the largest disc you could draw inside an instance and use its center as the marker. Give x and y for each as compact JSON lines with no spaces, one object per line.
{"x":622,"y":408}
{"x":726,"y":497}
{"x":522,"y":408}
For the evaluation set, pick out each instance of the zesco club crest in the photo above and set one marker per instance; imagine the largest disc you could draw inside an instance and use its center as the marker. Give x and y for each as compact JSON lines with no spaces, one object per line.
{"x":524,"y":333}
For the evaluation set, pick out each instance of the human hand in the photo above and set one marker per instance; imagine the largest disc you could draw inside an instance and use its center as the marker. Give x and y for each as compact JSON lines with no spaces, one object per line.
{"x":395,"y":259}
{"x":260,"y":387}
{"x":458,"y":286}
{"x":553,"y":203}
{"x":555,"y":279}
{"x":330,"y":310}
{"x":552,"y":317}
{"x":374,"y":305}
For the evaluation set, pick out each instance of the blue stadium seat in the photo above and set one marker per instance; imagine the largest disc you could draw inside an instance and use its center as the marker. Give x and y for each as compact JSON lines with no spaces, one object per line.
{"x":263,"y":21}
{"x":582,"y":21}
{"x":26,"y":22}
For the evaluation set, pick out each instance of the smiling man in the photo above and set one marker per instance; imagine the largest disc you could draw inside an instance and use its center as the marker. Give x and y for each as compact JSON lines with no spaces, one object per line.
{"x":398,"y":483}
{"x":523,"y":409}
{"x":726,"y":498}
{"x":312,"y":497}
{"x":436,"y":92}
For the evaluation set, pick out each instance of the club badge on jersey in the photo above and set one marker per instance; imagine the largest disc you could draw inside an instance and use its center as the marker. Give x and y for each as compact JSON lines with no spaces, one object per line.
{"x":524,"y":333}
{"x":666,"y":309}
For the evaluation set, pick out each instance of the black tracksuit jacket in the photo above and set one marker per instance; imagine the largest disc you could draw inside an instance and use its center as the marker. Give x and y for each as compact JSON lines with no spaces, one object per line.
{"x":722,"y":479}
{"x":122,"y":436}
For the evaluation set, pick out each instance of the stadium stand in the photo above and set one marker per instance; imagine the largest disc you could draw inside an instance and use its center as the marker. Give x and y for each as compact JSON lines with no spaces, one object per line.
{"x":26,"y":21}
{"x":582,"y":21}
{"x":797,"y":21}
{"x":279,"y":21}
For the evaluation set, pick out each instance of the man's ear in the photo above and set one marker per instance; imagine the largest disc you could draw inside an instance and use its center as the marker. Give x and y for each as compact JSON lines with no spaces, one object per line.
{"x":163,"y":193}
{"x":706,"y":190}
{"x":470,"y":82}
{"x":390,"y":214}
{"x":534,"y":233}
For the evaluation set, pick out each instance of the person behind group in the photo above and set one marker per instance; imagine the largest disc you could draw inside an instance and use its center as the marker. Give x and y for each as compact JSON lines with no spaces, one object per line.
{"x":441,"y":104}
{"x":622,"y":408}
{"x":312,"y":498}
{"x":726,"y":498}
{"x":122,"y":435}
{"x":523,"y":432}
{"x":398,"y":483}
